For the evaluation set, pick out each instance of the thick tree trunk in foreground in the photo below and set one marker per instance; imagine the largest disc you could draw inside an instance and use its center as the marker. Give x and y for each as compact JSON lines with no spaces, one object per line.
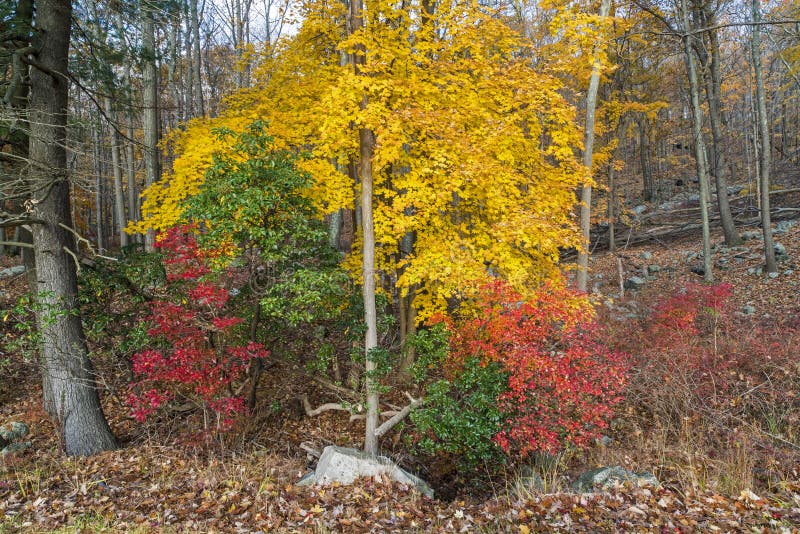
{"x":68,"y":378}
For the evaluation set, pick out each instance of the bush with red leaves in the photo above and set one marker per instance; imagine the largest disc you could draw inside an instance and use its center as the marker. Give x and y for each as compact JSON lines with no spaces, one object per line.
{"x":559,"y":383}
{"x":194,"y":358}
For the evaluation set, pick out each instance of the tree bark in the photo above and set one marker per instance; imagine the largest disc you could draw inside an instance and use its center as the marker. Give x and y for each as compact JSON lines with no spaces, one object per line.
{"x":612,"y":213}
{"x":647,"y":172}
{"x":151,"y":124}
{"x":765,"y":153}
{"x":366,"y":140}
{"x":699,"y":146}
{"x":197,"y":79}
{"x":98,"y":184}
{"x":588,"y":147}
{"x":69,"y":381}
{"x":713,"y":86}
{"x":119,"y":194}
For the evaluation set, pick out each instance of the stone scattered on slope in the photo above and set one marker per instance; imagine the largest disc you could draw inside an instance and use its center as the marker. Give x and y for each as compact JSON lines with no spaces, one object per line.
{"x":635,"y":283}
{"x":344,"y":465}
{"x":784,"y":226}
{"x":606,"y":477}
{"x":12,"y":271}
{"x":10,"y":436}
{"x":751,"y":234}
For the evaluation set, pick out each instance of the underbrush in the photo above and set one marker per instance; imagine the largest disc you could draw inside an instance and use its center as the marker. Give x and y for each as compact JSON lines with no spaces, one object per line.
{"x":713,"y":398}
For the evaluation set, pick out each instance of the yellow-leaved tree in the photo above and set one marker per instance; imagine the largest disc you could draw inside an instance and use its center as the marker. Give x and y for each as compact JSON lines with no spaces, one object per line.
{"x":474,"y":160}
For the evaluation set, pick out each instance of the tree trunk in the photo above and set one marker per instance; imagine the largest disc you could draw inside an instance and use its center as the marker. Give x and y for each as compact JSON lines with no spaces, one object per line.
{"x":119,"y":195}
{"x":151,"y":124}
{"x":98,"y":184}
{"x":713,"y":90}
{"x":612,"y":214}
{"x":588,"y":147}
{"x":699,"y":146}
{"x":69,"y":380}
{"x":197,"y":79}
{"x":366,"y":141}
{"x":763,"y":125}
{"x":647,"y":172}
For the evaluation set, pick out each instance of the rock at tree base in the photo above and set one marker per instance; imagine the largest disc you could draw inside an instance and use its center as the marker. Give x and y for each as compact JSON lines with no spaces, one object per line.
{"x":606,"y":477}
{"x":343,"y":465}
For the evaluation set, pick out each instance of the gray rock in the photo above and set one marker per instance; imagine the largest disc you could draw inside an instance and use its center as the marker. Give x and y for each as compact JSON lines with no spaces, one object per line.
{"x":638,"y":210}
{"x":749,"y":309}
{"x":309,"y":479}
{"x":646,"y":256}
{"x":605,"y":477}
{"x":773,"y":275}
{"x":693,"y":198}
{"x":652,"y":269}
{"x":12,"y":271}
{"x":784,"y":226}
{"x":788,"y":272}
{"x":15,"y":447}
{"x":780,"y":249}
{"x":735,"y":189}
{"x":669,"y":206}
{"x":635,"y":282}
{"x":751,"y":234}
{"x":13,"y":431}
{"x":9,"y":436}
{"x":344,"y":465}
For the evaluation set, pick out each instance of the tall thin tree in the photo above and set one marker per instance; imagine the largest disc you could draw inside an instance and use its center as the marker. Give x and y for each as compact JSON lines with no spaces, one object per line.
{"x":765,"y":152}
{"x":588,"y":148}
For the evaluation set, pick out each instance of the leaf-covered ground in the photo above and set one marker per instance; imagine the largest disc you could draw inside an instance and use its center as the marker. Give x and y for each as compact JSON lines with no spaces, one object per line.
{"x":162,"y":483}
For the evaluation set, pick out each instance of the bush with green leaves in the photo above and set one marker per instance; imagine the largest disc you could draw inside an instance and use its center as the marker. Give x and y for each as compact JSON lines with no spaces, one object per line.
{"x":257,"y":218}
{"x":461,"y":414}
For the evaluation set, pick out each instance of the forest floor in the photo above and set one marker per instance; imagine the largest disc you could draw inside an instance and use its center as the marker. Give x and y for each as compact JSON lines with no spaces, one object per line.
{"x":162,"y":481}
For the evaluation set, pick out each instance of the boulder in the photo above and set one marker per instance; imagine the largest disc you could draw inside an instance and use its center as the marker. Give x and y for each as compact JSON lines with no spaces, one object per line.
{"x":751,"y":234}
{"x":635,"y":283}
{"x":10,"y":435}
{"x":653,"y":269}
{"x":735,"y":189}
{"x":605,"y":477}
{"x":784,"y":226}
{"x":12,"y":271}
{"x":344,"y":465}
{"x":646,"y":255}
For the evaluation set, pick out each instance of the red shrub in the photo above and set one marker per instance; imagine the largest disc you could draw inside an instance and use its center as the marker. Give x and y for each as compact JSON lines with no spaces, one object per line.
{"x":194,"y":360}
{"x":562,"y":382}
